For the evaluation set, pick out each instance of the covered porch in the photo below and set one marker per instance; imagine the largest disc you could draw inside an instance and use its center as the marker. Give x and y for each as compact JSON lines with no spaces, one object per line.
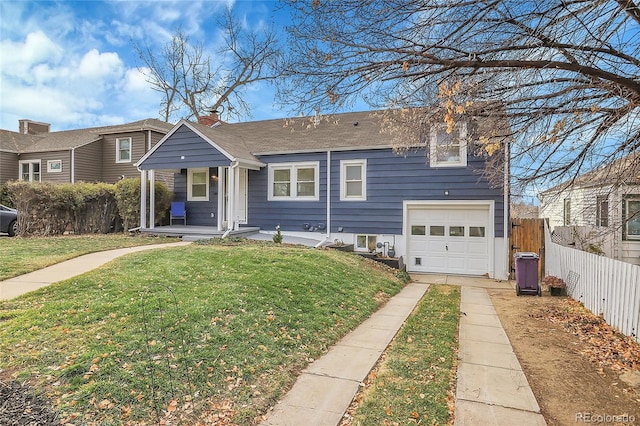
{"x":210,"y":169}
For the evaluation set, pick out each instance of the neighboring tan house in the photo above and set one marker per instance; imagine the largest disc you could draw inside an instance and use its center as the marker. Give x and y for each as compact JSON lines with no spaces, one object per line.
{"x":599,"y":211}
{"x":340,"y":179}
{"x":100,"y":154}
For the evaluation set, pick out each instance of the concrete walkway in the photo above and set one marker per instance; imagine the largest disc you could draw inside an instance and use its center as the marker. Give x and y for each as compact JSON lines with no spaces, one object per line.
{"x":14,"y":287}
{"x":324,"y":391}
{"x":492,"y":388}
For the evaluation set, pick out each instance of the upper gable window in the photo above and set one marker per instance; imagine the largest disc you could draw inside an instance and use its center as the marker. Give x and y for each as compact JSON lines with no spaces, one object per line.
{"x":294,"y":181}
{"x":123,"y":150}
{"x":353,"y":180}
{"x":448,"y":149}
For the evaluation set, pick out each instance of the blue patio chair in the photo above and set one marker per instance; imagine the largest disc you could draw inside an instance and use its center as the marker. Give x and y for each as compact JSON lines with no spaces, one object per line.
{"x":178,"y":211}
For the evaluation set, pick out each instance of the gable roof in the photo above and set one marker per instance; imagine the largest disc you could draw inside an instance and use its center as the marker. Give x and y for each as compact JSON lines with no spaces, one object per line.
{"x":623,"y":171}
{"x":69,"y":139}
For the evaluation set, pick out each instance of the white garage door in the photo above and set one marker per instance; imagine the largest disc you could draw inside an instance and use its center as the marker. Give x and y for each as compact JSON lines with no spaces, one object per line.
{"x":449,"y":239}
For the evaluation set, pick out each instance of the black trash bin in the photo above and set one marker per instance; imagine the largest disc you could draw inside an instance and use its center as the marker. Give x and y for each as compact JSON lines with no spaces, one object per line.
{"x":527,"y":281}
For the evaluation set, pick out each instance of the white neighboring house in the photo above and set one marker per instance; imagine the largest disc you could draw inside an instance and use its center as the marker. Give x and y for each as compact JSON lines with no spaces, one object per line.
{"x":599,"y":211}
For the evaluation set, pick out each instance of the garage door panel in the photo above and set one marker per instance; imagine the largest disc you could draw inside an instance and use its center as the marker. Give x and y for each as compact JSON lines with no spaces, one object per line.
{"x":455,"y":239}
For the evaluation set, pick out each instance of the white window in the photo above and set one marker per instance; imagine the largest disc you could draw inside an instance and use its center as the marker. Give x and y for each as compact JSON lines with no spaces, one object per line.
{"x":448,"y":149}
{"x":30,"y":170}
{"x":566,"y":215}
{"x":198,"y":184}
{"x":54,"y":166}
{"x":602,"y":210}
{"x":366,"y":242}
{"x":294,"y":181}
{"x":632,"y":217}
{"x":123,"y":150}
{"x":353,"y":178}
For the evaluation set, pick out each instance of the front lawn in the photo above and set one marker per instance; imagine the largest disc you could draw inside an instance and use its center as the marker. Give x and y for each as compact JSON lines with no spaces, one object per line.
{"x":230,"y":336}
{"x":22,"y":255}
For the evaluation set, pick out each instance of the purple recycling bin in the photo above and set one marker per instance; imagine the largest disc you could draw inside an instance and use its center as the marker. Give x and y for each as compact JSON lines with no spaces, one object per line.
{"x":527,"y":281}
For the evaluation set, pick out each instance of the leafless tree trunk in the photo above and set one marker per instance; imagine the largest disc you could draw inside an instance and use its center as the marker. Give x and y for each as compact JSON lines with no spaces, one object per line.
{"x":194,"y":81}
{"x":565,"y":72}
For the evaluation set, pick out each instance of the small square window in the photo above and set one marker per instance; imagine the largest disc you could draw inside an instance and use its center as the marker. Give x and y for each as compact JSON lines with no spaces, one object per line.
{"x":436,"y":231}
{"x":54,"y":166}
{"x":456,"y":231}
{"x":417,"y":261}
{"x":418,"y":230}
{"x":366,"y":242}
{"x":476,"y":231}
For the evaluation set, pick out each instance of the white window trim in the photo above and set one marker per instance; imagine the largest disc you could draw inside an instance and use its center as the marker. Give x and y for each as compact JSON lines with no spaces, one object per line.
{"x":118,"y":159}
{"x":630,"y":197}
{"x":293,"y":167}
{"x":461,"y":129}
{"x":50,"y":169}
{"x":190,"y":173}
{"x":363,"y":249}
{"x":30,"y":162}
{"x":343,"y":179}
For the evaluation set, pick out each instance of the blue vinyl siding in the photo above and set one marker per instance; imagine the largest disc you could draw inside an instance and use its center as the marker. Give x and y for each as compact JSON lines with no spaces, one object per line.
{"x":198,"y":212}
{"x":391,"y":179}
{"x":184,"y":142}
{"x":290,"y":215}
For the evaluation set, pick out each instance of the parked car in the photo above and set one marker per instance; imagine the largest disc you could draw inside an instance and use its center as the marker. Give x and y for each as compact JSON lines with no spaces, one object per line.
{"x":8,"y":220}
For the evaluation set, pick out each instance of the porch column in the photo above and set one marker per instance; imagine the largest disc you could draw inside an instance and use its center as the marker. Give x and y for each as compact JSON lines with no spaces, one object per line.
{"x":152,"y":199}
{"x":143,"y":199}
{"x":221,"y":206}
{"x":231,"y":222}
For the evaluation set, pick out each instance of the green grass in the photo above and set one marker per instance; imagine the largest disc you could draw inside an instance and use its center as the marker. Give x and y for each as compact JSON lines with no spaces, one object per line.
{"x":246,"y":319}
{"x":22,"y":255}
{"x":413,"y":385}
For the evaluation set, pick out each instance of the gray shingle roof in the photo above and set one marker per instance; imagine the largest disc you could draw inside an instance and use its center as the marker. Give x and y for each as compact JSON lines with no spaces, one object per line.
{"x":68,"y":139}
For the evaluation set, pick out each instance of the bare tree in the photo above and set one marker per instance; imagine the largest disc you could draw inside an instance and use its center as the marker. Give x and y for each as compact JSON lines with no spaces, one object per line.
{"x":193,"y":82}
{"x":565,"y":72}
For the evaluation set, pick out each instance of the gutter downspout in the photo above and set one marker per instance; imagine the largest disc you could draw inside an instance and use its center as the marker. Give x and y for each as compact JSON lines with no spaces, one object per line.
{"x":73,"y":165}
{"x":328,"y":195}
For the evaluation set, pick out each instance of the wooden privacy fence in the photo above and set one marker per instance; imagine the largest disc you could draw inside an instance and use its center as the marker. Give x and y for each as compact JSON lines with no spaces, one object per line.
{"x":527,"y":235}
{"x":605,"y":286}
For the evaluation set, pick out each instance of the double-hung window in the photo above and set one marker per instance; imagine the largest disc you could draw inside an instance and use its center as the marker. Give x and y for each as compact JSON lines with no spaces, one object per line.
{"x":294,"y":181}
{"x":632,"y":217}
{"x":448,"y":149}
{"x":123,"y":150}
{"x":198,"y":184}
{"x":353,"y":180}
{"x":30,"y":170}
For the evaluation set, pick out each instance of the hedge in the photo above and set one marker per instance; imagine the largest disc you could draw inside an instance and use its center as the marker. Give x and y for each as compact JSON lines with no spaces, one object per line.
{"x":80,"y":208}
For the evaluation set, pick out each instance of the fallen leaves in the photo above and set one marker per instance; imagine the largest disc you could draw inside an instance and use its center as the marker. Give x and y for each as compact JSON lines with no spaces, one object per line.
{"x":604,"y":345}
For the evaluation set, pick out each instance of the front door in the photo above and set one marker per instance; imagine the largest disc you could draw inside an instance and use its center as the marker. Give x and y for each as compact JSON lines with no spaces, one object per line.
{"x":239,"y":205}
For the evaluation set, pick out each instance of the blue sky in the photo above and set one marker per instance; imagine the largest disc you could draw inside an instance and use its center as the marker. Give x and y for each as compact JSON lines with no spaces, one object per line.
{"x":72,"y":64}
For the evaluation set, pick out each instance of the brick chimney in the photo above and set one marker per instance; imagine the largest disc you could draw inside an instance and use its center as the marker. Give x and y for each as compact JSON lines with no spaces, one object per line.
{"x":209,"y":120}
{"x":30,"y":127}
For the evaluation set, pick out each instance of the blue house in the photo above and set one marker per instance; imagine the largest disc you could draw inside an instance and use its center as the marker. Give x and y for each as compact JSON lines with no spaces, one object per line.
{"x":338,"y":178}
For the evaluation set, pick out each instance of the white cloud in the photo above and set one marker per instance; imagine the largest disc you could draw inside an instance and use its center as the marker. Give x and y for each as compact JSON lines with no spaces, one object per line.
{"x":18,"y":58}
{"x":100,"y":66}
